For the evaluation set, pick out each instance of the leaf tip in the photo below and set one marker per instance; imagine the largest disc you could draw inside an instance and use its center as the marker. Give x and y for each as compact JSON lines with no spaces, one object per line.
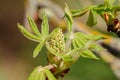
{"x":35,"y":55}
{"x":19,"y":26}
{"x":66,"y":4}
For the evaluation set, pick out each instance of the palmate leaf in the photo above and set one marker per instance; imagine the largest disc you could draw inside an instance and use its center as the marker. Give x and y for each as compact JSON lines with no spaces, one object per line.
{"x":92,"y":19}
{"x":38,"y":37}
{"x":86,"y":43}
{"x":68,"y":17}
{"x":45,"y":26}
{"x":44,"y":33}
{"x":27,"y":34}
{"x":33,"y":26}
{"x":41,"y":73}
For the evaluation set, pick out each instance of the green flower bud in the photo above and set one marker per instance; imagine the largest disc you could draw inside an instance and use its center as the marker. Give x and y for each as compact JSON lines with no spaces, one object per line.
{"x":56,"y":42}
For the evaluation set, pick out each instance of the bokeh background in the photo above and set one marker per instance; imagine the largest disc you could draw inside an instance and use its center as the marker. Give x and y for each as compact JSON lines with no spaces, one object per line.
{"x":16,"y":62}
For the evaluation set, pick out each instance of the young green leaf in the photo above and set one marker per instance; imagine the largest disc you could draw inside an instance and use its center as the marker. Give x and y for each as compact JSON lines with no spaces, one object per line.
{"x":45,"y":26}
{"x":38,"y":49}
{"x":68,"y":17}
{"x":92,"y":18}
{"x":27,"y":34}
{"x":88,"y":54}
{"x":33,"y":26}
{"x":79,"y":13}
{"x":49,"y":75}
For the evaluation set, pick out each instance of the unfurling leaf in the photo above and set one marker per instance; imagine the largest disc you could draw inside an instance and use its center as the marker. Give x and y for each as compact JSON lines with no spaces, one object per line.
{"x":92,"y":20}
{"x":34,"y":26}
{"x":85,"y":43}
{"x":45,"y":26}
{"x":68,"y":17}
{"x":89,"y":54}
{"x":44,"y":33}
{"x":79,"y":13}
{"x":27,"y":34}
{"x":38,"y":49}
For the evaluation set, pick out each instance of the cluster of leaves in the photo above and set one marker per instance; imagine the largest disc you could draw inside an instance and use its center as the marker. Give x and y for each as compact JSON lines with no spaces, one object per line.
{"x":108,"y":8}
{"x":41,"y":73}
{"x":63,"y":49}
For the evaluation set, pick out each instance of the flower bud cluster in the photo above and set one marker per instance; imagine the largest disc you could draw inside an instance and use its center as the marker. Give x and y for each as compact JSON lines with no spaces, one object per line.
{"x":57,"y":43}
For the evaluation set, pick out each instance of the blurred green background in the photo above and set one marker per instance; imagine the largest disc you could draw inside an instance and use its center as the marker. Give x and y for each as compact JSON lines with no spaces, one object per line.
{"x":16,"y":62}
